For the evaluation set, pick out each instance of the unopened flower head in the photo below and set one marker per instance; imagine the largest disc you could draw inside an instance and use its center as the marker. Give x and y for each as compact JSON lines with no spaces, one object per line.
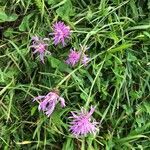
{"x":61,"y":33}
{"x":83,"y":123}
{"x":85,"y":59}
{"x":40,"y":46}
{"x":48,"y":103}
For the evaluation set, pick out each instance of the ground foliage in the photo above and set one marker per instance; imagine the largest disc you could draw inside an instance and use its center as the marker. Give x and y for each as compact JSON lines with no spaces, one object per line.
{"x":116,"y":79}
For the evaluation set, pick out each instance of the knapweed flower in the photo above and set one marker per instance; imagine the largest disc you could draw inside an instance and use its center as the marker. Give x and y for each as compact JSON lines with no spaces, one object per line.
{"x":73,"y":57}
{"x":82,"y":123}
{"x":40,"y":46}
{"x":48,"y":103}
{"x":61,"y":32}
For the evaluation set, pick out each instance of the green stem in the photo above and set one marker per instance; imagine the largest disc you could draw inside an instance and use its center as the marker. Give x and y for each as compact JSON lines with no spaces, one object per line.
{"x":60,"y":83}
{"x":83,"y":144}
{"x":89,"y":97}
{"x":103,"y":52}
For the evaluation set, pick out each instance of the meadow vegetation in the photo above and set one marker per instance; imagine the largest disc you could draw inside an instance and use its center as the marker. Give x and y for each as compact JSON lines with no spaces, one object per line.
{"x":116,"y":79}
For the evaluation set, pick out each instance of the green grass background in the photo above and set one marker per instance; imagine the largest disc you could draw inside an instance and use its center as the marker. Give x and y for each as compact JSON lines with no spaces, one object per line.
{"x":117,"y":79}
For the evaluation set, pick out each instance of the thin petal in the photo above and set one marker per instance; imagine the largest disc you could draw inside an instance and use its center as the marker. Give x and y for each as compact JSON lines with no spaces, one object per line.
{"x":62,"y":101}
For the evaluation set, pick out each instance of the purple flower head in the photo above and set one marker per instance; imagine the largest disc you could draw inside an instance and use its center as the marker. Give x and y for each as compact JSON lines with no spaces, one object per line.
{"x":61,"y":32}
{"x":73,"y":58}
{"x":48,"y":103}
{"x":82,"y":123}
{"x":40,"y":46}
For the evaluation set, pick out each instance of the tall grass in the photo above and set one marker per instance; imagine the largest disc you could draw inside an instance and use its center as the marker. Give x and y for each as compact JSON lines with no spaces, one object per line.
{"x":117,"y":79}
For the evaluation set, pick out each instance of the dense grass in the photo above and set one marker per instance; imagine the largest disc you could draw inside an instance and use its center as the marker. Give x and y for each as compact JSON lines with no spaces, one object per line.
{"x":117,"y":79}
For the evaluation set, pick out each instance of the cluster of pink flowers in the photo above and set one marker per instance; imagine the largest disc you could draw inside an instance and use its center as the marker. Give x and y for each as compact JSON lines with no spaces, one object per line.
{"x":82,"y":122}
{"x":61,"y":33}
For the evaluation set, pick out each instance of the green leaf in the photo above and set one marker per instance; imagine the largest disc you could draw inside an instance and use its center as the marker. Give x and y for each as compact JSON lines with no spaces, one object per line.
{"x":113,"y":36}
{"x":84,"y":95}
{"x":33,"y":110}
{"x":65,"y":11}
{"x":9,"y":32}
{"x":131,"y":57}
{"x":56,"y":63}
{"x":68,"y":144}
{"x":141,"y":27}
{"x":53,"y":2}
{"x":128,"y":110}
{"x":58,"y":3}
{"x":4,"y":17}
{"x":120,"y":48}
{"x":12,"y":17}
{"x":89,"y":14}
{"x":134,"y":9}
{"x":25,"y":23}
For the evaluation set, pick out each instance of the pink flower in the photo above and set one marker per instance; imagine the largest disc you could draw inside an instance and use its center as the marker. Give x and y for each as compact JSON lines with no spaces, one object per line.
{"x":73,"y":58}
{"x":48,"y":103}
{"x":82,"y":123}
{"x":61,"y":32}
{"x":40,"y":46}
